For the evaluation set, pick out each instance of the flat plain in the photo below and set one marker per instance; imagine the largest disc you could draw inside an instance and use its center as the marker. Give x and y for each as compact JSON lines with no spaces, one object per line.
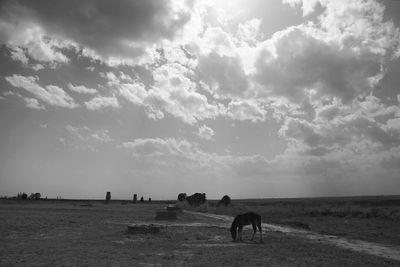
{"x":92,"y":233}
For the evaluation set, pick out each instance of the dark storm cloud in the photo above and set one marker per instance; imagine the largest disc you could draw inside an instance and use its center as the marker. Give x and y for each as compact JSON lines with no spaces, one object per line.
{"x":108,"y":27}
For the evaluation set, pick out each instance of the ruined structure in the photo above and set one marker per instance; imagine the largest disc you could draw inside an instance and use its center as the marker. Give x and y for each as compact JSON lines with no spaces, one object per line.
{"x":108,"y":197}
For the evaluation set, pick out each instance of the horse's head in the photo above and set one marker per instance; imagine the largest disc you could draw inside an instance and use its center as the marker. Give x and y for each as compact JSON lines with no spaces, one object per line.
{"x":233,"y":233}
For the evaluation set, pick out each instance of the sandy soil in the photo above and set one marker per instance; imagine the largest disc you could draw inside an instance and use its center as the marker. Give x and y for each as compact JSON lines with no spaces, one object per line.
{"x":68,"y":234}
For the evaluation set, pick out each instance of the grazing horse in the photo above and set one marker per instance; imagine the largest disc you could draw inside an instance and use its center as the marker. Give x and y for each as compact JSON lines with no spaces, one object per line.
{"x":246,"y":219}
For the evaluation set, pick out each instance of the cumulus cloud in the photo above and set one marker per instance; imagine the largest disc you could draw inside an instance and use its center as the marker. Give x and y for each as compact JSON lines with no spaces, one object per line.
{"x":102,"y":136}
{"x":223,"y":75}
{"x":81,"y":89}
{"x":219,"y":64}
{"x":246,"y":110}
{"x":111,"y":30}
{"x":337,"y":57}
{"x":134,"y":92}
{"x":320,"y":80}
{"x":301,"y":130}
{"x":356,"y":134}
{"x":101,"y":102}
{"x":30,"y":41}
{"x":18,"y":54}
{"x":33,"y":103}
{"x":206,"y":132}
{"x":307,"y":6}
{"x":50,"y":94}
{"x":173,"y":93}
{"x":249,"y":31}
{"x":294,"y":61}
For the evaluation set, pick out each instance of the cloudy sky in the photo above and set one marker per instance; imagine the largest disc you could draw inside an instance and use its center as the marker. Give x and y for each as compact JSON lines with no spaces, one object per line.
{"x":252,"y":99}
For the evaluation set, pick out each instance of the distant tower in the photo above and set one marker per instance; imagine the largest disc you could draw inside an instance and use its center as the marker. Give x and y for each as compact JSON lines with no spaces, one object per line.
{"x":134,"y":198}
{"x":108,"y":197}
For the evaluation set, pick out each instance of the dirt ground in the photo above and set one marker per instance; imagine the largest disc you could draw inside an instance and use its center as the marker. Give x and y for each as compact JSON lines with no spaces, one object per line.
{"x":78,"y":234}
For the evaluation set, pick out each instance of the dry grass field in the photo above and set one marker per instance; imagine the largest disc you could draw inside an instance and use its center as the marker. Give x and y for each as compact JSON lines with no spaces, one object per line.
{"x":91,"y":233}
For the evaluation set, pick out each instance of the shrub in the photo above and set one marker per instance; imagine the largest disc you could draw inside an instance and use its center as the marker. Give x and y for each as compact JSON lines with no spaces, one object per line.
{"x":196,"y":199}
{"x":22,"y":196}
{"x":225,"y":201}
{"x":35,"y":196}
{"x":182,"y":197}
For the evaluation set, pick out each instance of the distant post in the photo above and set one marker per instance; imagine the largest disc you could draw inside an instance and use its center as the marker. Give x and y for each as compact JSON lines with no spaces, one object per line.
{"x":134,"y":198}
{"x":108,"y":197}
{"x":141,"y":199}
{"x":149,"y":199}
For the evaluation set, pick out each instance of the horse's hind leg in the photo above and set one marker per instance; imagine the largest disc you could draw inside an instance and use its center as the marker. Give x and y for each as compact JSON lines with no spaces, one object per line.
{"x":259,"y":228}
{"x":240,"y":232}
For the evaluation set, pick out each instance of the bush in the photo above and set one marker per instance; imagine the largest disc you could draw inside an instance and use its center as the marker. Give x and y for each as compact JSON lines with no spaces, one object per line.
{"x":182,"y":197}
{"x":225,"y":201}
{"x":35,"y":196}
{"x":196,"y":199}
{"x":22,"y":196}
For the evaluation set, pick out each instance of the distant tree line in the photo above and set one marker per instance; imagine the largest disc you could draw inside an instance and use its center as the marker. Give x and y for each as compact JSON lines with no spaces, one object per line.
{"x":33,"y":196}
{"x":194,"y":200}
{"x":200,"y":198}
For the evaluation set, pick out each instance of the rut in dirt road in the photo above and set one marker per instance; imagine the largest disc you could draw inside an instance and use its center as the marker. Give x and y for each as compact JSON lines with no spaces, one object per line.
{"x":371,"y":248}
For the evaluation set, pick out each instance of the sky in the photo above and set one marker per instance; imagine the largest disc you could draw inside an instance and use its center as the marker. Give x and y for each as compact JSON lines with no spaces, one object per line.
{"x":251,"y":99}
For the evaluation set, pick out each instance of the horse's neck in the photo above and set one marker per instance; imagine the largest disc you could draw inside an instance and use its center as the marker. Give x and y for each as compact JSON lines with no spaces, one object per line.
{"x":236,"y":224}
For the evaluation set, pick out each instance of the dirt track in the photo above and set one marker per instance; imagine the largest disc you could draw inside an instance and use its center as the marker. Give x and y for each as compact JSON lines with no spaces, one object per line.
{"x":375,"y":249}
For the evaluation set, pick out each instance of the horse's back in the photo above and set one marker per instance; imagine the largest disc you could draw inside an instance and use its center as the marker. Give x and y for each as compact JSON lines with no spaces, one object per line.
{"x":253,"y":216}
{"x":248,"y":218}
